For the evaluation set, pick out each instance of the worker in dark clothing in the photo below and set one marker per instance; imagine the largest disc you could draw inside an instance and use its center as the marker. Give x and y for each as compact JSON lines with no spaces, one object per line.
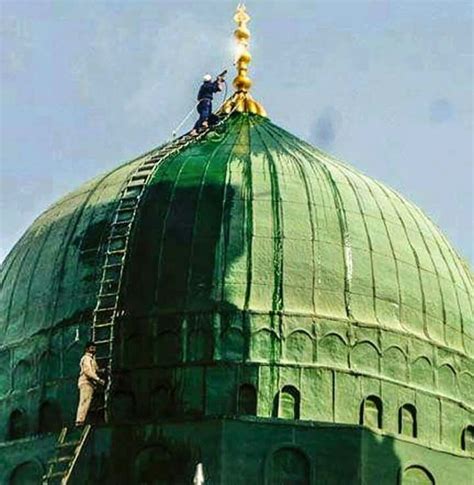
{"x":204,"y":107}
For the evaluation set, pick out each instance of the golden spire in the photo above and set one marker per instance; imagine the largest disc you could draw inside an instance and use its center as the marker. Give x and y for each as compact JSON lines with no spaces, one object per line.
{"x":241,"y":100}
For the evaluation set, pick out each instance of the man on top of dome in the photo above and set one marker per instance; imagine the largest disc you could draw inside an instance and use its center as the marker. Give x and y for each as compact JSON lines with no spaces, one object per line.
{"x":204,"y":107}
{"x":88,"y":380}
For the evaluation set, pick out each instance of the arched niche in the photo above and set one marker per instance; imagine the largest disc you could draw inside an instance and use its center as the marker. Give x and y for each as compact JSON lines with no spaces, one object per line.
{"x":49,"y":418}
{"x":299,"y":347}
{"x":265,"y":345}
{"x":407,"y":422}
{"x":416,"y":475}
{"x":23,"y":375}
{"x":154,"y":466}
{"x":467,"y":439}
{"x":28,"y":473}
{"x":394,"y":364}
{"x":332,"y":350}
{"x":288,"y":465}
{"x":200,"y":344}
{"x":161,"y":402}
{"x":286,"y":404}
{"x":247,"y":400}
{"x":371,"y":412}
{"x":422,"y":372}
{"x":18,"y":425}
{"x":233,"y":344}
{"x":365,"y":358}
{"x":466,"y":385}
{"x":49,"y":365}
{"x":165,"y":463}
{"x":447,"y":380}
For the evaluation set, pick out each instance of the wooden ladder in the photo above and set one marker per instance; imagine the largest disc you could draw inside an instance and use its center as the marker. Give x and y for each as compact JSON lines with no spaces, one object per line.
{"x":70,"y":443}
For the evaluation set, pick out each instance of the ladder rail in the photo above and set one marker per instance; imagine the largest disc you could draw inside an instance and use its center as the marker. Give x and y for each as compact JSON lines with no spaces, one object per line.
{"x":69,"y":461}
{"x":77,"y":452}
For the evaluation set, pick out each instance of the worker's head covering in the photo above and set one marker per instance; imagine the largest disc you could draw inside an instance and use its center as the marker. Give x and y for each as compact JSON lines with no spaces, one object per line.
{"x":207,"y":77}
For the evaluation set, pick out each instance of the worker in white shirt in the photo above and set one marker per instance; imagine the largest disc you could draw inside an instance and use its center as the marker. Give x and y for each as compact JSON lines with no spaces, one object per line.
{"x":88,"y":380}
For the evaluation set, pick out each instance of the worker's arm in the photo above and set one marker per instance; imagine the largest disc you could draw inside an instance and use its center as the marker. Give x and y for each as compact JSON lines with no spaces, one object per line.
{"x":89,"y":371}
{"x":218,"y":84}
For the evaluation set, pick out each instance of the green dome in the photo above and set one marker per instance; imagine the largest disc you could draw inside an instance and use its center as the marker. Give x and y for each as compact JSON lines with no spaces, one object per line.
{"x":249,"y":246}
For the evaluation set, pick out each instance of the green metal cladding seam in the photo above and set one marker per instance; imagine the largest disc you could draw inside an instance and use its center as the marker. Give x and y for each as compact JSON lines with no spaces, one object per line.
{"x":168,"y":209}
{"x":397,"y":270}
{"x":36,"y":259}
{"x":50,"y":277}
{"x":248,"y":227}
{"x":371,"y":247}
{"x":277,"y":227}
{"x":224,"y":224}
{"x":13,"y":255}
{"x":409,"y":210}
{"x":415,"y":255}
{"x":277,"y":218}
{"x":28,"y":248}
{"x":311,"y":216}
{"x":345,"y":238}
{"x":387,"y":191}
{"x":220,"y":146}
{"x":437,"y":236}
{"x":22,"y":244}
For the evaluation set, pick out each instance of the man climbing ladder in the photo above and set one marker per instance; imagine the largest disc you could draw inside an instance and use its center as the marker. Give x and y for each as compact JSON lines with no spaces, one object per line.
{"x":87,"y":382}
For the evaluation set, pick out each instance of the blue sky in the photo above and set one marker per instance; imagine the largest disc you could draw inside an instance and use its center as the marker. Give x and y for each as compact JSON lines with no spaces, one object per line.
{"x":384,"y":85}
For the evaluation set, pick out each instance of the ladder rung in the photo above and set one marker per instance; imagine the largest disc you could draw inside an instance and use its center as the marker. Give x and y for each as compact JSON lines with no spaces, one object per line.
{"x":119,"y":224}
{"x":135,"y":183}
{"x":56,"y":474}
{"x":110,"y":281}
{"x":109,"y":264}
{"x":68,"y":444}
{"x":124,"y":215}
{"x":116,"y":237}
{"x":138,"y":177}
{"x":129,"y":202}
{"x":112,"y":265}
{"x":103,"y":325}
{"x":131,"y":193}
{"x":100,"y":342}
{"x":107,"y":295}
{"x":143,"y":168}
{"x":108,"y":309}
{"x":102,"y":358}
{"x":61,"y":459}
{"x":116,"y":251}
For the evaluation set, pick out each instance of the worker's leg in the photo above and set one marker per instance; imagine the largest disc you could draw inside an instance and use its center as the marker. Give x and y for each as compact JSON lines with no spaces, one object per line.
{"x":85,"y":397}
{"x":202,"y":114}
{"x":213,"y":119}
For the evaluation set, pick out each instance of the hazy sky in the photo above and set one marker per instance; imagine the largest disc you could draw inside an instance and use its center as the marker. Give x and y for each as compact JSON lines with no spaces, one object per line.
{"x":384,"y":85}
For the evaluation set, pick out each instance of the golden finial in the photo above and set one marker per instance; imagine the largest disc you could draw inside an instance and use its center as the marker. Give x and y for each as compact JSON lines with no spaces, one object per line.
{"x":241,"y":100}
